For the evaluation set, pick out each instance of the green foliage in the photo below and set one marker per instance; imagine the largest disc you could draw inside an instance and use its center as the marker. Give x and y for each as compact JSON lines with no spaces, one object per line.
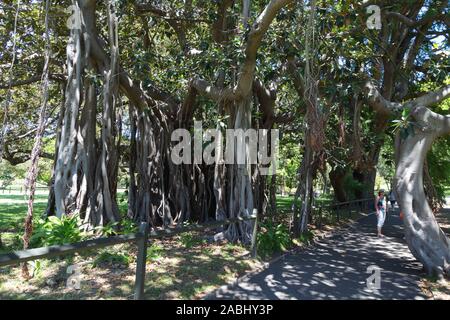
{"x":289,"y":162}
{"x":351,"y":185}
{"x":189,"y":240}
{"x":126,"y":226}
{"x":6,"y":178}
{"x":45,"y":171}
{"x":404,"y":126}
{"x":306,"y":237}
{"x":107,"y":257}
{"x":154,"y":252}
{"x":9,"y":173}
{"x":109,"y":229}
{"x":273,"y":238}
{"x":53,"y":231}
{"x":439,"y":165}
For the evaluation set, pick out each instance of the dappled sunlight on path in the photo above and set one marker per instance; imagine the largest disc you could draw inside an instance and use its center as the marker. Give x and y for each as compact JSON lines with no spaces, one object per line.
{"x":336,"y":268}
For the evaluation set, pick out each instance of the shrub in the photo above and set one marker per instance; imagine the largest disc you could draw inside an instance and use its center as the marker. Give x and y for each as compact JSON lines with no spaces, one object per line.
{"x":53,"y":230}
{"x":112,"y":258}
{"x":6,"y":179}
{"x":188,"y":240}
{"x":109,"y":229}
{"x":273,"y":238}
{"x":306,"y":237}
{"x":126,"y":226}
{"x":154,"y":252}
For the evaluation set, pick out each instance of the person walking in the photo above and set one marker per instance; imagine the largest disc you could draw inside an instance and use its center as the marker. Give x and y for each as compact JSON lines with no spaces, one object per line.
{"x":392,"y":199}
{"x":381,"y":208}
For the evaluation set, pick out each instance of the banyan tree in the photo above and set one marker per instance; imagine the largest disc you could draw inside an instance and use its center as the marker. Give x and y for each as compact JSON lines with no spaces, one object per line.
{"x":85,"y":173}
{"x":128,"y":74}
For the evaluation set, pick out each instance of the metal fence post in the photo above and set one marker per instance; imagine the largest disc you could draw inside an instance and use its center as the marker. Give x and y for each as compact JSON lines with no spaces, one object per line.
{"x":255,"y":234}
{"x":141,"y":261}
{"x":320,"y":218}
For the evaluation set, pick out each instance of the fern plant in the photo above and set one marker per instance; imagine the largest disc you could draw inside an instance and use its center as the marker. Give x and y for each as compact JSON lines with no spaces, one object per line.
{"x":109,"y":229}
{"x":273,"y":238}
{"x":106,"y":257}
{"x":53,"y":230}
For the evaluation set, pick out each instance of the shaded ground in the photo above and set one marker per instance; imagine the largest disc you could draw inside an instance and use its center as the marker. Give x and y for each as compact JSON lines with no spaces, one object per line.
{"x":336,"y":268}
{"x":177,"y":268}
{"x":185,"y":267}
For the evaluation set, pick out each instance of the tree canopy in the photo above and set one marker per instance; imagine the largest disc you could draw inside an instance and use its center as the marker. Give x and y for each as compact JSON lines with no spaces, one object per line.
{"x":349,"y":99}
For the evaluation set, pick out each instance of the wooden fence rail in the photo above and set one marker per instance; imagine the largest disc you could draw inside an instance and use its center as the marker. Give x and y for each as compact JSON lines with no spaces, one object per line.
{"x":140,"y":238}
{"x":348,"y":206}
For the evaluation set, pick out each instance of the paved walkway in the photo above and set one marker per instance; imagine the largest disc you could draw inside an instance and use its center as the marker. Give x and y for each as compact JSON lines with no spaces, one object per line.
{"x":336,"y":268}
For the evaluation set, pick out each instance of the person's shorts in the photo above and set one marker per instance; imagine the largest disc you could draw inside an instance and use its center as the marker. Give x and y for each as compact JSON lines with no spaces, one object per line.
{"x":380,"y":218}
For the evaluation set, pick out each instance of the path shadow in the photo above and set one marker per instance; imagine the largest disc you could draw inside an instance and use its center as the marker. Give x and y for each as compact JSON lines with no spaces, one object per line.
{"x":336,"y":268}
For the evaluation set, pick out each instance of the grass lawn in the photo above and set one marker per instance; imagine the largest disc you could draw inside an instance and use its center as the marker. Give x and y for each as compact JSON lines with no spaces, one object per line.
{"x":284,"y":203}
{"x":13,"y":208}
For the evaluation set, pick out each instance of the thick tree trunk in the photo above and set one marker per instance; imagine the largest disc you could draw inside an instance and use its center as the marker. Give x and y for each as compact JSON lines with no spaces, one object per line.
{"x":426,"y":240}
{"x":86,"y":166}
{"x":50,"y":210}
{"x":65,"y":172}
{"x":367,"y":179}
{"x":337,"y":176}
{"x":241,"y":198}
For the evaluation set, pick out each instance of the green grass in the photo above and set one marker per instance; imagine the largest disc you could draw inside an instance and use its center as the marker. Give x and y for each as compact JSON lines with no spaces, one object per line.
{"x":12,"y":215}
{"x":13,"y":209}
{"x":16,"y":195}
{"x":284,"y":204}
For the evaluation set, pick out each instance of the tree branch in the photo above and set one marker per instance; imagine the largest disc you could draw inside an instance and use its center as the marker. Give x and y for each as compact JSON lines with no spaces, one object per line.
{"x":378,"y":102}
{"x":430,"y":98}
{"x":410,"y":22}
{"x":175,"y":22}
{"x":419,"y":107}
{"x":296,"y":77}
{"x":133,"y":90}
{"x":266,"y":100}
{"x":33,"y":79}
{"x":206,"y":89}
{"x":259,"y":28}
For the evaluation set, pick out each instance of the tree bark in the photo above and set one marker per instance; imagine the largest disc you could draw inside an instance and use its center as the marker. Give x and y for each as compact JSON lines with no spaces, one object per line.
{"x":337,"y":176}
{"x":427,"y":242}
